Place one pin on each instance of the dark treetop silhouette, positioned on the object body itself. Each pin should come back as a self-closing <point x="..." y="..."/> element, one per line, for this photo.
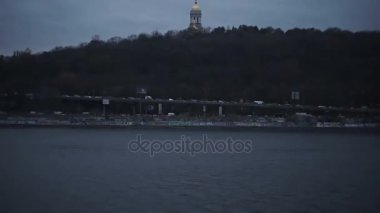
<point x="331" y="67"/>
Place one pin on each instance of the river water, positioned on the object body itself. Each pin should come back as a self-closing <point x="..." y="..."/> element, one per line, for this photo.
<point x="93" y="170"/>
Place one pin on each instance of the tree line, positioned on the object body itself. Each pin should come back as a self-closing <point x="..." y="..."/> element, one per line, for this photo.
<point x="331" y="67"/>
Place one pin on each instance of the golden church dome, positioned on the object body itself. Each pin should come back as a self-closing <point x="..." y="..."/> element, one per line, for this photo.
<point x="196" y="6"/>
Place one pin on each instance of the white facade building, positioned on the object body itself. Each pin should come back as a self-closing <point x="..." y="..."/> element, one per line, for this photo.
<point x="195" y="17"/>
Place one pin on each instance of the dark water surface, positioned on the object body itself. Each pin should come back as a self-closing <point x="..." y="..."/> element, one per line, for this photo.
<point x="91" y="170"/>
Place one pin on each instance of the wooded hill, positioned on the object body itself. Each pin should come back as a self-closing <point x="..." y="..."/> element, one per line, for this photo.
<point x="332" y="67"/>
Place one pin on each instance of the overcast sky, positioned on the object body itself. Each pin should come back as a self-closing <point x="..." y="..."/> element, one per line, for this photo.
<point x="44" y="24"/>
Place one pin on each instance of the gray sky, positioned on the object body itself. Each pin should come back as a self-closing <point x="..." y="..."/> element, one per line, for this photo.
<point x="44" y="24"/>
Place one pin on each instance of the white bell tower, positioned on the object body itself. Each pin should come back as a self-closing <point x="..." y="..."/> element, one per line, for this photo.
<point x="195" y="17"/>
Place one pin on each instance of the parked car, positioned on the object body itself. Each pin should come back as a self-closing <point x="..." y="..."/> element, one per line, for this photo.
<point x="258" y="102"/>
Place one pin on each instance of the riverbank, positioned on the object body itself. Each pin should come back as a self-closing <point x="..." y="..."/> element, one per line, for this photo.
<point x="184" y="122"/>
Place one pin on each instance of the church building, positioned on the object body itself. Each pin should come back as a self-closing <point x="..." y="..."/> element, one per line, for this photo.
<point x="195" y="17"/>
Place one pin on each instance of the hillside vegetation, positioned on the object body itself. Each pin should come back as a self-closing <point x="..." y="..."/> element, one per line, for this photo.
<point x="331" y="67"/>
